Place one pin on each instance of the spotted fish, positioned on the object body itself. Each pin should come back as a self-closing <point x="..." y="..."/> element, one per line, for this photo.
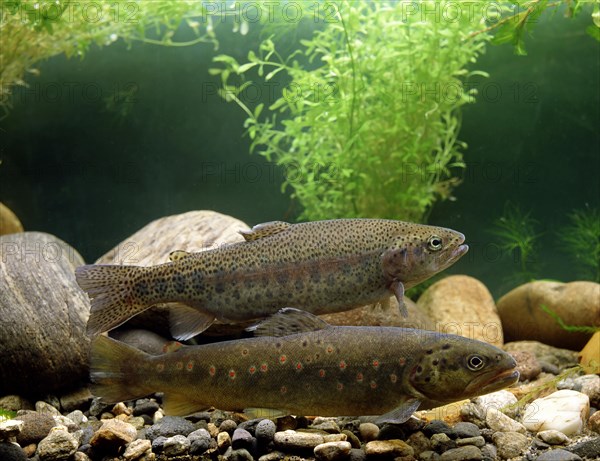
<point x="298" y="364"/>
<point x="320" y="267"/>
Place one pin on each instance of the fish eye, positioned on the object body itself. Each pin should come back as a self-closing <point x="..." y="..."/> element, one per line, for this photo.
<point x="475" y="362"/>
<point x="435" y="243"/>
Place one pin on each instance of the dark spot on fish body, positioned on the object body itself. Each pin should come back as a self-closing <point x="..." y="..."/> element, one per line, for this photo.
<point x="282" y="277"/>
<point x="141" y="288"/>
<point x="220" y="287"/>
<point x="179" y="283"/>
<point x="160" y="286"/>
<point x="331" y="280"/>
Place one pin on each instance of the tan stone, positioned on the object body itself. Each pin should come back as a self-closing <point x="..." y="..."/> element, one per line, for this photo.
<point x="462" y="305"/>
<point x="9" y="223"/>
<point x="576" y="303"/>
<point x="392" y="447"/>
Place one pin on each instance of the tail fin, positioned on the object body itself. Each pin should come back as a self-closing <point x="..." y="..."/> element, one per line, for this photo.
<point x="111" y="293"/>
<point x="115" y="371"/>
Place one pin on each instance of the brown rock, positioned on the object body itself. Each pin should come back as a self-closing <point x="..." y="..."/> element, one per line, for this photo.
<point x="392" y="448"/>
<point x="9" y="223"/>
<point x="43" y="314"/>
<point x="36" y="426"/>
<point x="462" y="305"/>
<point x="380" y="315"/>
<point x="576" y="303"/>
<point x="113" y="434"/>
<point x="594" y="422"/>
<point x="559" y="358"/>
<point x="192" y="231"/>
<point x="527" y="365"/>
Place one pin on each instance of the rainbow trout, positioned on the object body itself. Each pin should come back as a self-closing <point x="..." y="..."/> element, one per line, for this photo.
<point x="321" y="267"/>
<point x="299" y="364"/>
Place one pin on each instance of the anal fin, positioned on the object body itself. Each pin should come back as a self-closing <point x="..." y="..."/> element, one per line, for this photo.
<point x="186" y="321"/>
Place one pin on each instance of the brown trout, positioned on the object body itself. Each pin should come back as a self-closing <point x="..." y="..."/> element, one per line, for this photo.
<point x="298" y="364"/>
<point x="320" y="267"/>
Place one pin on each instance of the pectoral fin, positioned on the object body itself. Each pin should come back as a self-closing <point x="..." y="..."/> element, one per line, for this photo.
<point x="186" y="322"/>
<point x="265" y="230"/>
<point x="398" y="288"/>
<point x="400" y="414"/>
<point x="181" y="404"/>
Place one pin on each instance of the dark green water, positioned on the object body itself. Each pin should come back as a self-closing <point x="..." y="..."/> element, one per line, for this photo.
<point x="96" y="148"/>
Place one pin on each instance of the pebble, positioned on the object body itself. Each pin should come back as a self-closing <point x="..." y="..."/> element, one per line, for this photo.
<point x="9" y="429"/>
<point x="368" y="431"/>
<point x="586" y="384"/>
<point x="265" y="430"/>
<point x="145" y="407"/>
<point x="36" y="426"/>
<point x="15" y="403"/>
<point x="352" y="438"/>
<point x="228" y="425"/>
<point x="200" y="441"/>
<point x="169" y="426"/>
<point x="439" y="427"/>
<point x="500" y="400"/>
<point x="58" y="445"/>
<point x="136" y="449"/>
<point x="332" y="451"/>
<point x="327" y="426"/>
<point x="77" y="417"/>
<point x="11" y="452"/>
<point x="441" y="442"/>
<point x="509" y="444"/>
<point x="223" y="441"/>
<point x="489" y="452"/>
<point x="468" y="452"/>
<point x="478" y="441"/>
<point x="528" y="365"/>
<point x="45" y="408"/>
<point x="241" y="438"/>
<point x="334" y="438"/>
<point x="76" y="400"/>
<point x="176" y="445"/>
<point x="589" y="448"/>
<point x="553" y="437"/>
<point x="499" y="422"/>
<point x="466" y="429"/>
<point x="113" y="434"/>
<point x="594" y="422"/>
<point x="393" y="448"/>
<point x="297" y="440"/>
<point x="565" y="411"/>
<point x="558" y="455"/>
<point x="238" y="455"/>
<point x="419" y="442"/>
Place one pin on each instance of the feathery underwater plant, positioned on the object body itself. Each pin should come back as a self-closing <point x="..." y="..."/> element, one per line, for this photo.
<point x="581" y="240"/>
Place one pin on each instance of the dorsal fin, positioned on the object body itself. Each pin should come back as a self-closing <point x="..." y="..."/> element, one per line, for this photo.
<point x="288" y="321"/>
<point x="265" y="230"/>
<point x="178" y="255"/>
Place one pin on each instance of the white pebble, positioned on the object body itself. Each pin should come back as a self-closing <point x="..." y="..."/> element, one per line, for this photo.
<point x="565" y="411"/>
<point x="498" y="400"/>
<point x="298" y="440"/>
<point x="499" y="422"/>
<point x="553" y="437"/>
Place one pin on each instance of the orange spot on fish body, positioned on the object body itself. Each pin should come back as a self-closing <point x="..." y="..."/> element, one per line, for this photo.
<point x="244" y="351"/>
<point x="264" y="367"/>
<point x="298" y="366"/>
<point x="190" y="366"/>
<point x="329" y="349"/>
<point x="160" y="367"/>
<point x="375" y="363"/>
<point x="282" y="359"/>
<point x="402" y="361"/>
<point x="179" y="365"/>
<point x="232" y="374"/>
<point x="283" y="389"/>
<point x="212" y="370"/>
<point x="373" y="385"/>
<point x="340" y="386"/>
<point x="393" y="378"/>
<point x="252" y="370"/>
<point x="359" y="377"/>
<point x="343" y="365"/>
<point x="321" y="373"/>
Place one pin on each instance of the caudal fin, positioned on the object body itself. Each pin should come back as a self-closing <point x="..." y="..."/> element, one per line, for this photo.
<point x="115" y="371"/>
<point x="112" y="295"/>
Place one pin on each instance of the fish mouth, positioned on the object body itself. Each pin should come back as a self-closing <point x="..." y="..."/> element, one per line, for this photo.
<point x="492" y="381"/>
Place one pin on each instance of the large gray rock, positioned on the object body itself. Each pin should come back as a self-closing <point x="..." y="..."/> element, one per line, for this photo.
<point x="576" y="303"/>
<point x="43" y="313"/>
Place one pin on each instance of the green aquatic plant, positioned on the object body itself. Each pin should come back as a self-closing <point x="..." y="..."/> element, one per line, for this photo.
<point x="368" y="122"/>
<point x="517" y="236"/>
<point x="6" y="414"/>
<point x="581" y="240"/>
<point x="32" y="31"/>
